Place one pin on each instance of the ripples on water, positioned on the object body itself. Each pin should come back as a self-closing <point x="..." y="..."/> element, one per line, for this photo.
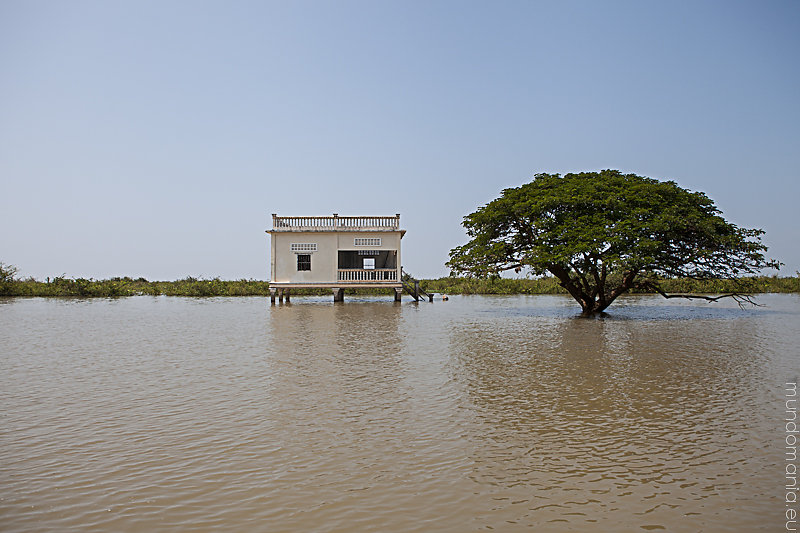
<point x="479" y="413"/>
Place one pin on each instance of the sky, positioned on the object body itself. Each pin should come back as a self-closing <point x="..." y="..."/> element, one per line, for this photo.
<point x="155" y="138"/>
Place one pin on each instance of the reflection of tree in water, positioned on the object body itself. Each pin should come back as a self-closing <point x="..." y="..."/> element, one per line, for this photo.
<point x="596" y="415"/>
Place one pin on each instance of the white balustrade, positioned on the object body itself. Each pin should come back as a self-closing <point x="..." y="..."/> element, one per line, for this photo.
<point x="336" y="222"/>
<point x="357" y="274"/>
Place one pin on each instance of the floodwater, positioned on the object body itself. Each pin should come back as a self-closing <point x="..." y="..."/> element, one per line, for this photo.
<point x="480" y="413"/>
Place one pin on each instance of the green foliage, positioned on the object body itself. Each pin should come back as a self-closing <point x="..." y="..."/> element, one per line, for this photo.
<point x="492" y="285"/>
<point x="604" y="233"/>
<point x="7" y="272"/>
<point x="7" y="278"/>
<point x="551" y="285"/>
<point x="118" y="287"/>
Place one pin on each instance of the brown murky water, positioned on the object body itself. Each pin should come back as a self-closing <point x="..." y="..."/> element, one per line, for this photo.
<point x="503" y="413"/>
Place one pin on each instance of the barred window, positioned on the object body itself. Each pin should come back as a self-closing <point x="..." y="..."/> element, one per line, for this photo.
<point x="367" y="242"/>
<point x="303" y="247"/>
<point x="303" y="262"/>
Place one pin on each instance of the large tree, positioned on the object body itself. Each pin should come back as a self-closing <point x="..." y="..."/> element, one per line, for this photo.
<point x="605" y="233"/>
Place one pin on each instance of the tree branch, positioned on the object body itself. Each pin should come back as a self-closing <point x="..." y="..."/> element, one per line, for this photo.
<point x="738" y="297"/>
<point x="566" y="282"/>
<point x="627" y="284"/>
<point x="510" y="267"/>
<point x="599" y="285"/>
<point x="582" y="281"/>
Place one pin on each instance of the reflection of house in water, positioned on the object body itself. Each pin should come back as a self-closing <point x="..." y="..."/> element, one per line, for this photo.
<point x="335" y="252"/>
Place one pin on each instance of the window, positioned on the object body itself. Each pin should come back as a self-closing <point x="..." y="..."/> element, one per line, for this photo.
<point x="366" y="242"/>
<point x="369" y="263"/>
<point x="303" y="247"/>
<point x="303" y="262"/>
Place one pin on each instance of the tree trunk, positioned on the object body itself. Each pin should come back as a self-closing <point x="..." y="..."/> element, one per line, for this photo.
<point x="588" y="309"/>
<point x="597" y="300"/>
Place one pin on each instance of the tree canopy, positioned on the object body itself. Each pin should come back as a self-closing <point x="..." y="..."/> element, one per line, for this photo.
<point x="605" y="233"/>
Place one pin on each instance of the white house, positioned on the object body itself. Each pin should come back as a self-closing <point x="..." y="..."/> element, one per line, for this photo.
<point x="334" y="252"/>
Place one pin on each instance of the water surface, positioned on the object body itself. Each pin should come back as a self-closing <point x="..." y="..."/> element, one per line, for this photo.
<point x="480" y="413"/>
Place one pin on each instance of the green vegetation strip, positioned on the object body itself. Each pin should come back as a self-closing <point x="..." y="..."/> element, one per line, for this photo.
<point x="550" y="285"/>
<point x="115" y="287"/>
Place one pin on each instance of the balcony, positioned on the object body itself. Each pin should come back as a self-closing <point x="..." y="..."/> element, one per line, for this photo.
<point x="335" y="223"/>
<point x="359" y="275"/>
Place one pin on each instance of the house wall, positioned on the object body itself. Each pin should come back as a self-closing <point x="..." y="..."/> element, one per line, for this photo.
<point x="324" y="261"/>
<point x="389" y="240"/>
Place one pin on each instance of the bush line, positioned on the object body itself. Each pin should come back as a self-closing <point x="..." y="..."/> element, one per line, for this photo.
<point x="117" y="287"/>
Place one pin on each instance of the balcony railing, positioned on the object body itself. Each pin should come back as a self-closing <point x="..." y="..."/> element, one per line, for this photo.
<point x="337" y="222"/>
<point x="358" y="274"/>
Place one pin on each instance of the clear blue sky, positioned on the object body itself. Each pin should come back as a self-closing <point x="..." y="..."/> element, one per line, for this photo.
<point x="151" y="138"/>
